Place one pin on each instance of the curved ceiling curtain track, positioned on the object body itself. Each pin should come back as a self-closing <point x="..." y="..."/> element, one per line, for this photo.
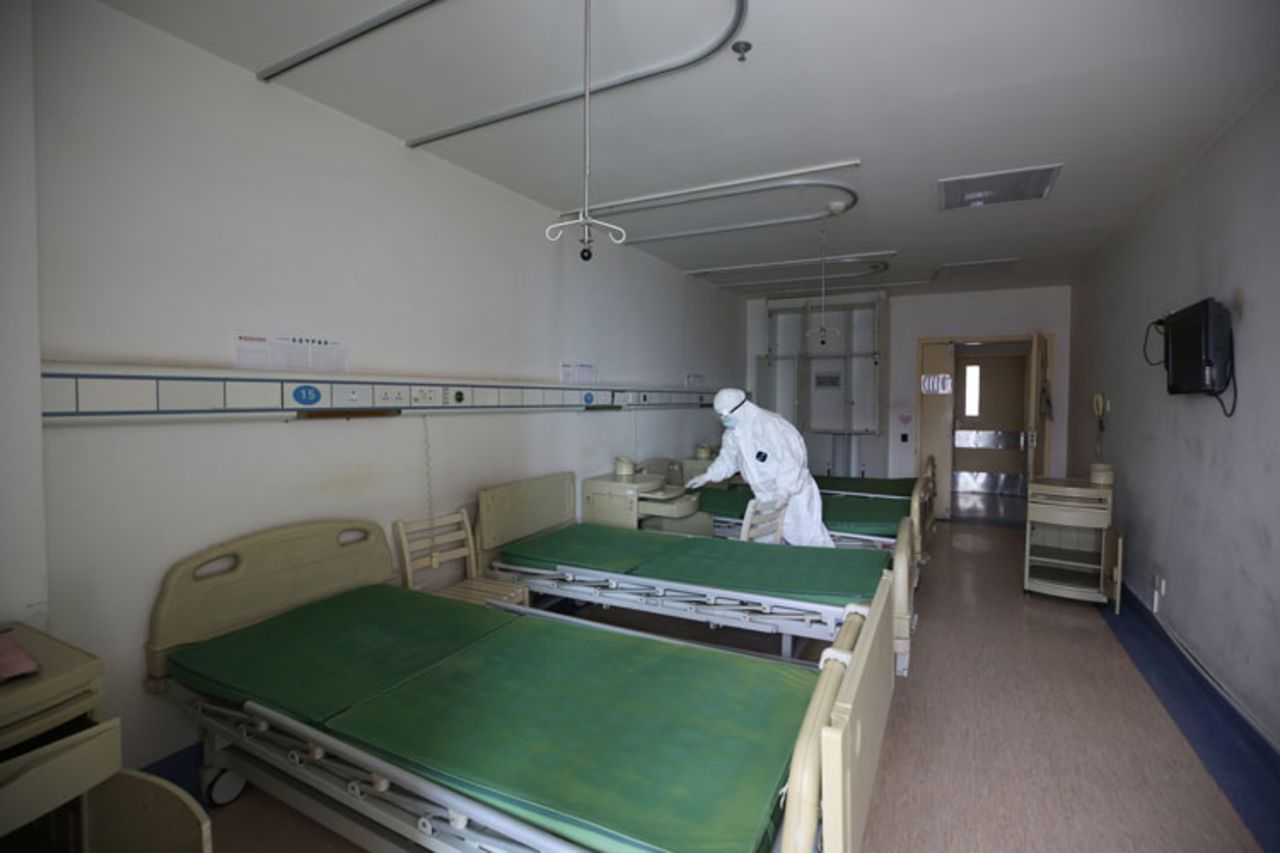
<point x="402" y="10"/>
<point x="684" y="196"/>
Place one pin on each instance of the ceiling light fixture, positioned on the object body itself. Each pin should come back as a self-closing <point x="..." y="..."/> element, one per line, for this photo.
<point x="584" y="218"/>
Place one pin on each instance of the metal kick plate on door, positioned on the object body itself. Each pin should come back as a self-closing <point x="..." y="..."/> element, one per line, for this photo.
<point x="989" y="439"/>
<point x="988" y="483"/>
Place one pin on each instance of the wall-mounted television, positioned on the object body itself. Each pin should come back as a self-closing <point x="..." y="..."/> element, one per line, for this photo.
<point x="1197" y="349"/>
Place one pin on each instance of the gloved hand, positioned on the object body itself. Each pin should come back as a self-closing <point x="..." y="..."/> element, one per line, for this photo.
<point x="698" y="482"/>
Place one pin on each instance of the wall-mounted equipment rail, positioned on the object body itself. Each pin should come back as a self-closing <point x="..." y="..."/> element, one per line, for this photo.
<point x="99" y="393"/>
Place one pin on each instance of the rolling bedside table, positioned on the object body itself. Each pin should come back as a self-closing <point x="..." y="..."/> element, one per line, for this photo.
<point x="1072" y="549"/>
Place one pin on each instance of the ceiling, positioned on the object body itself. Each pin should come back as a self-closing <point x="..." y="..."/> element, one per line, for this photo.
<point x="1125" y="93"/>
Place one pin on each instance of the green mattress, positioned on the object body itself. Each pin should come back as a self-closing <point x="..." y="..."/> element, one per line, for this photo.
<point x="900" y="487"/>
<point x="858" y="516"/>
<point x="590" y="546"/>
<point x="312" y="674"/>
<point x="613" y="741"/>
<point x="819" y="575"/>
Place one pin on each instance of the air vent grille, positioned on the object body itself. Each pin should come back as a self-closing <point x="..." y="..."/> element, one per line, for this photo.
<point x="989" y="266"/>
<point x="983" y="190"/>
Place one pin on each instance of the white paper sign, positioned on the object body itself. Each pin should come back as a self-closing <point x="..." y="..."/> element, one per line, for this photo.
<point x="306" y="353"/>
<point x="935" y="383"/>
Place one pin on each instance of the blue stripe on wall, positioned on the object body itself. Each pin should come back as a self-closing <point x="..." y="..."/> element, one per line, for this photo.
<point x="1244" y="764"/>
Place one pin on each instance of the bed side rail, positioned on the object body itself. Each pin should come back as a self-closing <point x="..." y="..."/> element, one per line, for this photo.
<point x="251" y="578"/>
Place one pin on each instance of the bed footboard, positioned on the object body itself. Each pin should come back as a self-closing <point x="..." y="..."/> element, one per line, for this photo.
<point x="904" y="568"/>
<point x="852" y="741"/>
<point x="837" y="751"/>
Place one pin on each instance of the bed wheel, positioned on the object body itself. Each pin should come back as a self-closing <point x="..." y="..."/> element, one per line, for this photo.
<point x="224" y="788"/>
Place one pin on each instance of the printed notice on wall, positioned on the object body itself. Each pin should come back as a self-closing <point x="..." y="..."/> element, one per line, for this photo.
<point x="295" y="353"/>
<point x="577" y="373"/>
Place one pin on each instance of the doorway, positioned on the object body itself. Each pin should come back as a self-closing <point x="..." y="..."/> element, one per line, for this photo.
<point x="984" y="409"/>
<point x="989" y="460"/>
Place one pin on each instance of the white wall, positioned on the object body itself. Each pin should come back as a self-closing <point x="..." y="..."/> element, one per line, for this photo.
<point x="23" y="587"/>
<point x="978" y="314"/>
<point x="1196" y="493"/>
<point x="181" y="199"/>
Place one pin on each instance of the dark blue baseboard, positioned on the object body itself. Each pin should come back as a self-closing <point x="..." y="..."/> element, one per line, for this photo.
<point x="1245" y="765"/>
<point x="182" y="768"/>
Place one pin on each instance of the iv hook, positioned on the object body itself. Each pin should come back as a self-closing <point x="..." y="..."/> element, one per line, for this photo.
<point x="584" y="218"/>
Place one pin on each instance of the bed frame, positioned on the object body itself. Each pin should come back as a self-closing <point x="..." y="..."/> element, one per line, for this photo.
<point x="382" y="807"/>
<point x="923" y="497"/>
<point x="724" y="527"/>
<point x="518" y="510"/>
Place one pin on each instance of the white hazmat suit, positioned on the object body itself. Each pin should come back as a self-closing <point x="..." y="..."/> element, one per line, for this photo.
<point x="771" y="455"/>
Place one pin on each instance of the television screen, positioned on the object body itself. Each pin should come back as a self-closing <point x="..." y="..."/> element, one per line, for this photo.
<point x="1197" y="349"/>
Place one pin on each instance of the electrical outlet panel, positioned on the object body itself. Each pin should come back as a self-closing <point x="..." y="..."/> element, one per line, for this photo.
<point x="390" y="395"/>
<point x="456" y="396"/>
<point x="426" y="395"/>
<point x="352" y="396"/>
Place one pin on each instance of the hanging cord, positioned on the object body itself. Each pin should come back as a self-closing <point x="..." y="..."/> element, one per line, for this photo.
<point x="1235" y="393"/>
<point x="426" y="465"/>
<point x="1158" y="325"/>
<point x="822" y="330"/>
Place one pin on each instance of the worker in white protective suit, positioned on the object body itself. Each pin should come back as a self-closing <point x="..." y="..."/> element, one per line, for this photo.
<point x="771" y="455"/>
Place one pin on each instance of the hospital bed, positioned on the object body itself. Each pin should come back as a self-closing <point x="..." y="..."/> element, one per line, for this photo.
<point x="404" y="720"/>
<point x="527" y="531"/>
<point x="895" y="488"/>
<point x="920" y="491"/>
<point x="858" y="511"/>
<point x="852" y="522"/>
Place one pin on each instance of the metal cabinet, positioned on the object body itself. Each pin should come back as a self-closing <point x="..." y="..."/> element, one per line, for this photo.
<point x="1072" y="550"/>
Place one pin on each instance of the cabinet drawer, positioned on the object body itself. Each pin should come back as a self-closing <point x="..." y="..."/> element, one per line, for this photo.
<point x="1069" y="516"/>
<point x="44" y="778"/>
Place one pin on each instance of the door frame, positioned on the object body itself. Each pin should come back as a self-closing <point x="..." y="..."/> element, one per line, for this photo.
<point x="1046" y="440"/>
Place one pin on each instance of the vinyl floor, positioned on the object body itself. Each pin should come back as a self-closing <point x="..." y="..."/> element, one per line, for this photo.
<point x="1023" y="726"/>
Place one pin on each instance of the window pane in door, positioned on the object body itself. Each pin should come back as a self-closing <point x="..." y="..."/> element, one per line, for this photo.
<point x="972" y="389"/>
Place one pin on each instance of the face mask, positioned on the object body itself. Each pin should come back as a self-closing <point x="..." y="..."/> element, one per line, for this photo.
<point x="729" y="421"/>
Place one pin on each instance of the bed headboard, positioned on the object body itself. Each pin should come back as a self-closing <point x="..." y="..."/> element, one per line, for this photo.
<point x="250" y="578"/>
<point x="516" y="510"/>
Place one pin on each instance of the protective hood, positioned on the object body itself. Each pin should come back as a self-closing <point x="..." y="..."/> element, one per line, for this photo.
<point x="732" y="404"/>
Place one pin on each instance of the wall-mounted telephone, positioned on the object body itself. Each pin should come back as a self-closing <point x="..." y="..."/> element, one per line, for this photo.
<point x="1101" y="405"/>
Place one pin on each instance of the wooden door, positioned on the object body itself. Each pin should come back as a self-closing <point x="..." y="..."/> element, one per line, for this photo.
<point x="990" y="397"/>
<point x="935" y="387"/>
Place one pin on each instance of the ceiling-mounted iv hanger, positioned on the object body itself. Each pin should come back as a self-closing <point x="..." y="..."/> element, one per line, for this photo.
<point x="584" y="218"/>
<point x="822" y="331"/>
